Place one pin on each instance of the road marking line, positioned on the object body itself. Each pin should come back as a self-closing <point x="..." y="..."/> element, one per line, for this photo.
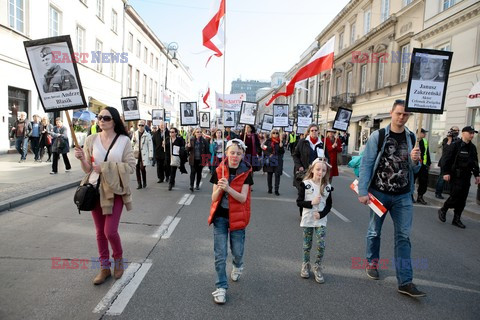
<point x="341" y="216"/>
<point x="274" y="199"/>
<point x="200" y="185"/>
<point x="171" y="227"/>
<point x="434" y="284"/>
<point x="117" y="287"/>
<point x="127" y="293"/>
<point x="189" y="200"/>
<point x="163" y="228"/>
<point x="184" y="198"/>
<point x="286" y="174"/>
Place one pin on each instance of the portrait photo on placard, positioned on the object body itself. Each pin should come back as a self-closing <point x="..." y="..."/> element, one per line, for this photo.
<point x="304" y="115"/>
<point x="267" y="122"/>
<point x="280" y="115"/>
<point x="130" y="108"/>
<point x="229" y="118"/>
<point x="428" y="79"/>
<point x="158" y="115"/>
<point x="55" y="74"/>
<point x="204" y="119"/>
<point x="188" y="114"/>
<point x="290" y="125"/>
<point x="342" y="119"/>
<point x="248" y="113"/>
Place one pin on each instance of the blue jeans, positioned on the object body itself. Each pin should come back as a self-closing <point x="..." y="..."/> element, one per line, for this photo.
<point x="220" y="247"/>
<point x="21" y="144"/>
<point x="400" y="208"/>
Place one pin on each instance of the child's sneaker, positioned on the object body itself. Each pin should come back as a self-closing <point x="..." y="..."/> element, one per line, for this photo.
<point x="220" y="295"/>
<point x="317" y="272"/>
<point x="236" y="273"/>
<point x="305" y="272"/>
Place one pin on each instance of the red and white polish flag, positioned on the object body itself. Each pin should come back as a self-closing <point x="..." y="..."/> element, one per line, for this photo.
<point x="374" y="204"/>
<point x="321" y="61"/>
<point x="213" y="33"/>
<point x="205" y="98"/>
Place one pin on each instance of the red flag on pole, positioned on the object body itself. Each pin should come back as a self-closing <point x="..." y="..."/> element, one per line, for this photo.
<point x="205" y="98"/>
<point x="321" y="61"/>
<point x="212" y="28"/>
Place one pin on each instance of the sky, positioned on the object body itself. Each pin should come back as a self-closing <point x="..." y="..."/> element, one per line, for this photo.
<point x="263" y="36"/>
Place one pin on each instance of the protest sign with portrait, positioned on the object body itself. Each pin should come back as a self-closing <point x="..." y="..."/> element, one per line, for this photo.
<point x="280" y="115"/>
<point x="342" y="119"/>
<point x="304" y="115"/>
<point x="130" y="108"/>
<point x="248" y="113"/>
<point x="188" y="114"/>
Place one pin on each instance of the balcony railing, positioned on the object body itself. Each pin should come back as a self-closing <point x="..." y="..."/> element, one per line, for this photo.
<point x="345" y="100"/>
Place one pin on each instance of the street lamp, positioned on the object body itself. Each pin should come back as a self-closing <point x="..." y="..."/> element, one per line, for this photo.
<point x="172" y="46"/>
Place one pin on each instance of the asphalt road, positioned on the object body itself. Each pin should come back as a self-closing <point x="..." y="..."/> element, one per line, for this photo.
<point x="171" y="273"/>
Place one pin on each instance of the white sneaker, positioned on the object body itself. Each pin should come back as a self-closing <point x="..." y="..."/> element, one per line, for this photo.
<point x="236" y="273"/>
<point x="305" y="272"/>
<point x="53" y="172"/>
<point x="317" y="272"/>
<point x="220" y="295"/>
<point x="68" y="170"/>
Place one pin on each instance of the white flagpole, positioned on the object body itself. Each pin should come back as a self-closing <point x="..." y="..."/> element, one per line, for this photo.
<point x="223" y="93"/>
<point x="326" y="125"/>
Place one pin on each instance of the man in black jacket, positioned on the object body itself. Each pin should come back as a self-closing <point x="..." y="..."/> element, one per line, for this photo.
<point x="422" y="175"/>
<point x="460" y="162"/>
<point x="158" y="138"/>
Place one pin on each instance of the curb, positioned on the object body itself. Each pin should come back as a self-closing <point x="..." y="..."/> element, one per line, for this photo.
<point x="24" y="199"/>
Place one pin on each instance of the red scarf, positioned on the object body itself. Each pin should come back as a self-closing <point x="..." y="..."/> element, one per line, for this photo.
<point x="274" y="141"/>
<point x="314" y="140"/>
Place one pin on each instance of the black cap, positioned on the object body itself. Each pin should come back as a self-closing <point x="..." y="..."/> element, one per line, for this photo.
<point x="45" y="51"/>
<point x="469" y="129"/>
<point x="424" y="131"/>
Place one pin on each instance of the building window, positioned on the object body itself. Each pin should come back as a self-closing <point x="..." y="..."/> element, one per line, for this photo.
<point x="385" y="10"/>
<point x="80" y="32"/>
<point x="130" y="42"/>
<point x="129" y="80"/>
<point x="448" y="3"/>
<point x="444" y="47"/>
<point x="338" y="86"/>
<point x="113" y="70"/>
<point x="114" y="21"/>
<point x="349" y="82"/>
<point x="327" y="93"/>
<point x="145" y="55"/>
<point x="16" y="15"/>
<point x="137" y="83"/>
<point x="352" y="33"/>
<point x="17" y="102"/>
<point x="139" y="48"/>
<point x="150" y="87"/>
<point x="406" y="2"/>
<point x="156" y="64"/>
<point x="155" y="94"/>
<point x="363" y="79"/>
<point x="151" y="60"/>
<point x="144" y="88"/>
<point x="405" y="62"/>
<point x="367" y="15"/>
<point x="100" y="7"/>
<point x="380" y="71"/>
<point x="84" y="2"/>
<point x="54" y="24"/>
<point x="340" y="41"/>
<point x="99" y="48"/>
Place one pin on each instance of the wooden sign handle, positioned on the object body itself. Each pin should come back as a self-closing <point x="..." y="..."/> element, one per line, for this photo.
<point x="75" y="141"/>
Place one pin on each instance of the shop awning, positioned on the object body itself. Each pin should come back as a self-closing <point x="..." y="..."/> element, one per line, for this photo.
<point x="357" y="118"/>
<point x="473" y="98"/>
<point x="382" y="116"/>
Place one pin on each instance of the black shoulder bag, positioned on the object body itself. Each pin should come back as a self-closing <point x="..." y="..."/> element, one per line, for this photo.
<point x="87" y="195"/>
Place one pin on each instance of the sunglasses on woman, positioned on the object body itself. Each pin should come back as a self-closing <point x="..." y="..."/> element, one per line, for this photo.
<point x="104" y="118"/>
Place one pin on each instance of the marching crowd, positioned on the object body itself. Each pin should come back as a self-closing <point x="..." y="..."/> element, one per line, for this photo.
<point x="387" y="169"/>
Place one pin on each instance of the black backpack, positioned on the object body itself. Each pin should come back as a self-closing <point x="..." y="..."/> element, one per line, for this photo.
<point x="381" y="139"/>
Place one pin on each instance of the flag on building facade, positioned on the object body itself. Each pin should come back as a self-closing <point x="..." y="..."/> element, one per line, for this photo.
<point x="321" y="61"/>
<point x="213" y="31"/>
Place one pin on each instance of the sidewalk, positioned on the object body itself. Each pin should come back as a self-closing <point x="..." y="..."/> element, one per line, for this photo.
<point x="21" y="183"/>
<point x="472" y="209"/>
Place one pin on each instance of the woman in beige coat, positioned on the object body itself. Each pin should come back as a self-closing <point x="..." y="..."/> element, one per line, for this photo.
<point x="113" y="175"/>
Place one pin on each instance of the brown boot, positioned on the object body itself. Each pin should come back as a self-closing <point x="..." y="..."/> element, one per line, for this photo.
<point x="118" y="268"/>
<point x="102" y="276"/>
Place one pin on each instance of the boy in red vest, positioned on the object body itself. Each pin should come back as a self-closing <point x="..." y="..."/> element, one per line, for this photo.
<point x="230" y="213"/>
